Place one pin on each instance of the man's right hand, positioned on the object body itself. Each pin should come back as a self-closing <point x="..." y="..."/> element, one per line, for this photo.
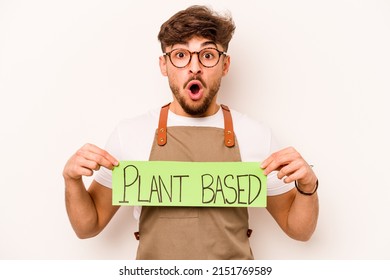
<point x="86" y="160"/>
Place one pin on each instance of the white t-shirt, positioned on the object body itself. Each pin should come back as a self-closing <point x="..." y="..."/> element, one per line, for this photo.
<point x="132" y="140"/>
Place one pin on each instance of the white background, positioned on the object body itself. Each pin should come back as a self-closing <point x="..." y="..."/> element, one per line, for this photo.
<point x="316" y="72"/>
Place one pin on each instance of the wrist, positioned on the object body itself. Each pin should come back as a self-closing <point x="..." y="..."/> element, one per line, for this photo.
<point x="70" y="180"/>
<point x="301" y="191"/>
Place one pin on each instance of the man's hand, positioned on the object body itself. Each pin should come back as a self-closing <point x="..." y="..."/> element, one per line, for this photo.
<point x="292" y="167"/>
<point x="86" y="160"/>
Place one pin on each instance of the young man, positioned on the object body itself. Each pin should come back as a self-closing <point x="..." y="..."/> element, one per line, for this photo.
<point x="194" y="43"/>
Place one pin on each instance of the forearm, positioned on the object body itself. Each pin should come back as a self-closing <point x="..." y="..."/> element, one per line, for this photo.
<point x="302" y="217"/>
<point x="81" y="209"/>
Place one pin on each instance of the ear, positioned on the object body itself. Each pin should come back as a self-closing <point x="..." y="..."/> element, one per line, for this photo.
<point x="163" y="65"/>
<point x="226" y="65"/>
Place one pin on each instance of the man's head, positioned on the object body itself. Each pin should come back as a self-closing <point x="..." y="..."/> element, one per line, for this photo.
<point x="195" y="77"/>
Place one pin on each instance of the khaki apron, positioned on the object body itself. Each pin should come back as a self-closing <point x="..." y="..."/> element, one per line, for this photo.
<point x="194" y="232"/>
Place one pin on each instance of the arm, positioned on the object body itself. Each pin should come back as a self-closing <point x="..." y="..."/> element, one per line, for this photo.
<point x="89" y="210"/>
<point x="295" y="213"/>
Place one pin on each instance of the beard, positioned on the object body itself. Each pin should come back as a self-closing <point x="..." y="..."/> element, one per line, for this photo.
<point x="200" y="107"/>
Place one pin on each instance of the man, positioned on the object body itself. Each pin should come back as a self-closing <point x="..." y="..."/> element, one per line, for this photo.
<point x="191" y="128"/>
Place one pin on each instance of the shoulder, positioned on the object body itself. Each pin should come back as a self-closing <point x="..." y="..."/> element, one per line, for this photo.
<point x="132" y="138"/>
<point x="248" y="126"/>
<point x="254" y="138"/>
<point x="136" y="123"/>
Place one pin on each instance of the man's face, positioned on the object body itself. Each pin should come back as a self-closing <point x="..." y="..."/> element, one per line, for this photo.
<point x="194" y="86"/>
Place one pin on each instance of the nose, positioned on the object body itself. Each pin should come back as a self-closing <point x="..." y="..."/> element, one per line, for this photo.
<point x="195" y="67"/>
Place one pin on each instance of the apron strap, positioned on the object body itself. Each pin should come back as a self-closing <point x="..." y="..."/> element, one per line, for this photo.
<point x="229" y="132"/>
<point x="162" y="126"/>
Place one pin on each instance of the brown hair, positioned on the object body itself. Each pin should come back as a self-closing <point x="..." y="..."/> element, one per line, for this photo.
<point x="196" y="21"/>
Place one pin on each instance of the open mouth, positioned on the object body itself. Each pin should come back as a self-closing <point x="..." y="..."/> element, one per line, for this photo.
<point x="194" y="89"/>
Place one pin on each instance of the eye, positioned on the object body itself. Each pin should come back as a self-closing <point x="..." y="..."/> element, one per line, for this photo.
<point x="180" y="54"/>
<point x="208" y="55"/>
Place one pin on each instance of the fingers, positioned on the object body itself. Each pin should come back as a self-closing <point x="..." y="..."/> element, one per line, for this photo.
<point x="290" y="166"/>
<point x="86" y="160"/>
<point x="96" y="157"/>
<point x="278" y="160"/>
<point x="289" y="171"/>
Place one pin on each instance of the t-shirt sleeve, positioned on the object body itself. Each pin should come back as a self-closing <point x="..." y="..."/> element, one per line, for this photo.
<point x="275" y="185"/>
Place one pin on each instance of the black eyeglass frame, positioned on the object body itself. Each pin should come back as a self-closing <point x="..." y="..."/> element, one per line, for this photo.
<point x="197" y="53"/>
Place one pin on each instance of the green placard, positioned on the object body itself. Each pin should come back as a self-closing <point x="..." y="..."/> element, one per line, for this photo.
<point x="171" y="183"/>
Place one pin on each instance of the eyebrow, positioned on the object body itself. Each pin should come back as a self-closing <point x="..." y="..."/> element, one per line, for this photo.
<point x="202" y="45"/>
<point x="209" y="43"/>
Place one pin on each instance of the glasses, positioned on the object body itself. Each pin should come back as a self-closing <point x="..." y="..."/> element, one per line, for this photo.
<point x="208" y="57"/>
